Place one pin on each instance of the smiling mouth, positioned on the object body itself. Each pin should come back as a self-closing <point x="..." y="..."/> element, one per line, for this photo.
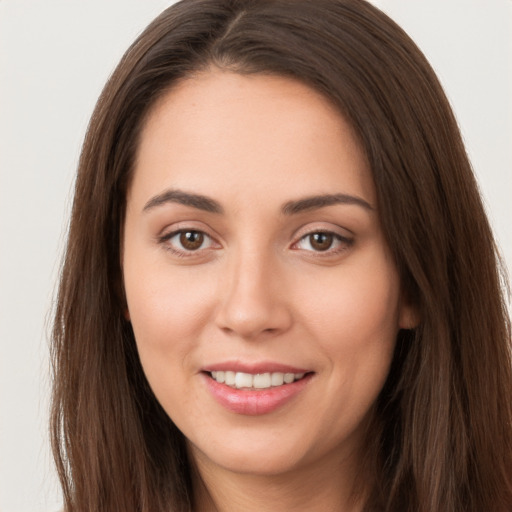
<point x="241" y="380"/>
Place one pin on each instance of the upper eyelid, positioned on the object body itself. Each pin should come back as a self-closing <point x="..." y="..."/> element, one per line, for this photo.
<point x="165" y="241"/>
<point x="180" y="226"/>
<point x="298" y="234"/>
<point x="310" y="228"/>
<point x="341" y="238"/>
<point x="166" y="236"/>
<point x="343" y="235"/>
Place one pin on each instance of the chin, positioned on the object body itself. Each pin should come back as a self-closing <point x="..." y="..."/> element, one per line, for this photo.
<point x="255" y="455"/>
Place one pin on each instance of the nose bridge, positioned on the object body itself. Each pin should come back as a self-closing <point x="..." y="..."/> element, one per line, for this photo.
<point x="251" y="300"/>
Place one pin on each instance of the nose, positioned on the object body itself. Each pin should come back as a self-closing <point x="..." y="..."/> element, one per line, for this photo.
<point x="253" y="299"/>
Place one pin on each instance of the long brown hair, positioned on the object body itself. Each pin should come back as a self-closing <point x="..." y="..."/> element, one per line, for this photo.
<point x="441" y="438"/>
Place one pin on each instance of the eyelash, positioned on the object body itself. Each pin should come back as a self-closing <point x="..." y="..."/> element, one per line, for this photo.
<point x="166" y="240"/>
<point x="343" y="243"/>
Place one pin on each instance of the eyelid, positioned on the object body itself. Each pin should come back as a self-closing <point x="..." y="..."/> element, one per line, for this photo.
<point x="322" y="227"/>
<point x="347" y="240"/>
<point x="182" y="227"/>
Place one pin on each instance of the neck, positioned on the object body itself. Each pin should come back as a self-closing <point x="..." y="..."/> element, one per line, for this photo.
<point x="327" y="488"/>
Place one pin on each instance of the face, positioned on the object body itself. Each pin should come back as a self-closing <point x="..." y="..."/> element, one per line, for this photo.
<point x="264" y="300"/>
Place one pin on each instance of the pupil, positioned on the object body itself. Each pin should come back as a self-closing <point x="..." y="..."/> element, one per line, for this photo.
<point x="191" y="240"/>
<point x="321" y="241"/>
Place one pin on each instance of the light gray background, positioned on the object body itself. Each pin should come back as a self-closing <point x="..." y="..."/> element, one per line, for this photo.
<point x="55" y="56"/>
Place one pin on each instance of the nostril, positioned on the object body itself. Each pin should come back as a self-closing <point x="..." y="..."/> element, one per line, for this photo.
<point x="250" y="312"/>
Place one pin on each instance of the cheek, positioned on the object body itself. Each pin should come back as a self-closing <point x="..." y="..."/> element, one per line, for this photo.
<point x="359" y="305"/>
<point x="168" y="312"/>
<point x="354" y="318"/>
<point x="167" y="308"/>
<point x="355" y="324"/>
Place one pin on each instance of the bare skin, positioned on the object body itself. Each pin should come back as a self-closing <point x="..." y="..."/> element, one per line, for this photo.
<point x="252" y="240"/>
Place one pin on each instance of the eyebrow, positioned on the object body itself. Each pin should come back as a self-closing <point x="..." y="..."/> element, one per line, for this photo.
<point x="290" y="208"/>
<point x="178" y="196"/>
<point x="322" y="201"/>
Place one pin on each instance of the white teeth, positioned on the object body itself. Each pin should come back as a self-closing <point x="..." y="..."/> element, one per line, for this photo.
<point x="261" y="381"/>
<point x="229" y="378"/>
<point x="289" y="378"/>
<point x="219" y="376"/>
<point x="243" y="380"/>
<point x="257" y="381"/>
<point x="277" y="379"/>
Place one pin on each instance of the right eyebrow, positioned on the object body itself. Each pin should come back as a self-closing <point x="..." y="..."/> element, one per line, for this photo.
<point x="186" y="198"/>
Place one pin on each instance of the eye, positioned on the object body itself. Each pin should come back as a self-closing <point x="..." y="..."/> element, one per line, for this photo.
<point x="319" y="241"/>
<point x="187" y="240"/>
<point x="323" y="241"/>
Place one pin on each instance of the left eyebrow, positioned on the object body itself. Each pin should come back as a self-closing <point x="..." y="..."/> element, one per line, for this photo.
<point x="321" y="201"/>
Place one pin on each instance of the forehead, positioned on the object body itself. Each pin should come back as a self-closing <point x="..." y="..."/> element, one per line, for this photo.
<point x="251" y="134"/>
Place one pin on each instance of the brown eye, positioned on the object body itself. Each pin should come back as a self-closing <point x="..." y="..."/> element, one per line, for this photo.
<point x="327" y="242"/>
<point x="188" y="242"/>
<point x="321" y="241"/>
<point x="191" y="240"/>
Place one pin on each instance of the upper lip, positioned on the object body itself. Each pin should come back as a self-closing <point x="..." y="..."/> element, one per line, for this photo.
<point x="254" y="367"/>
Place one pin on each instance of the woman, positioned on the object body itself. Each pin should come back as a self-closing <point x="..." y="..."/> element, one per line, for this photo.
<point x="281" y="291"/>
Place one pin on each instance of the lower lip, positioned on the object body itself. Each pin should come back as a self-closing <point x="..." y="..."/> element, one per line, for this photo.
<point x="255" y="402"/>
